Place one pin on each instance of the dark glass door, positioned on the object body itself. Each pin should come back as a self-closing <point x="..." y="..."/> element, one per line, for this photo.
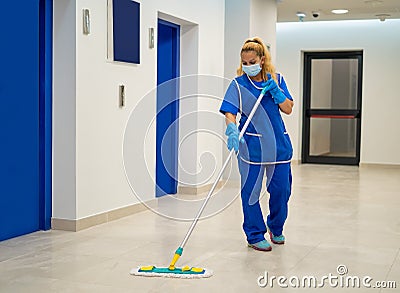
<point x="332" y="107"/>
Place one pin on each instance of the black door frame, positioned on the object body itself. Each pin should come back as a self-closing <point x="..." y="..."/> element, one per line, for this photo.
<point x="337" y="113"/>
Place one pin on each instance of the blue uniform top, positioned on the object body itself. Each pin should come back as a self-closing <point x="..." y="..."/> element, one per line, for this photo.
<point x="267" y="141"/>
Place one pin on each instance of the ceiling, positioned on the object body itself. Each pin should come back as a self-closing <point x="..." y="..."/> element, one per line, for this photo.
<point x="358" y="9"/>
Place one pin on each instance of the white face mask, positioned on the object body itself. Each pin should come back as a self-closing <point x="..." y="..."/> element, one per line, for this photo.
<point x="252" y="70"/>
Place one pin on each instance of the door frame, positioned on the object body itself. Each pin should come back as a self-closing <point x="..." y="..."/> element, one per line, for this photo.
<point x="176" y="68"/>
<point x="336" y="113"/>
<point x="45" y="112"/>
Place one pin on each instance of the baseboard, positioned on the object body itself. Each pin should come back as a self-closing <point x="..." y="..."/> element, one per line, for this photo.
<point x="84" y="223"/>
<point x="198" y="189"/>
<point x="63" y="224"/>
<point x="379" y="165"/>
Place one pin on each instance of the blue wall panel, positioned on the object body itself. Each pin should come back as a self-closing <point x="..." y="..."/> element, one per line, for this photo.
<point x="19" y="118"/>
<point x="126" y="31"/>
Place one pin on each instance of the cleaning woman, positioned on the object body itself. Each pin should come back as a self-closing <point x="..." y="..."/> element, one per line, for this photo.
<point x="265" y="147"/>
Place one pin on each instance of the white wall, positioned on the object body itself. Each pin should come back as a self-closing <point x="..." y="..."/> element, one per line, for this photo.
<point x="100" y="122"/>
<point x="64" y="109"/>
<point x="188" y="104"/>
<point x="380" y="42"/>
<point x="211" y="61"/>
<point x="237" y="29"/>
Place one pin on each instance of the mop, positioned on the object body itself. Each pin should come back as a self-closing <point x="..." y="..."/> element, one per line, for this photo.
<point x="186" y="271"/>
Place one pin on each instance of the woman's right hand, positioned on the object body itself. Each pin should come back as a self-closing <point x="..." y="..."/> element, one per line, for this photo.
<point x="232" y="132"/>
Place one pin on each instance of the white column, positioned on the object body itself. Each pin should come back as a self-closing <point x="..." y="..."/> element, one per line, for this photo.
<point x="263" y="17"/>
<point x="237" y="29"/>
<point x="64" y="110"/>
<point x="244" y="19"/>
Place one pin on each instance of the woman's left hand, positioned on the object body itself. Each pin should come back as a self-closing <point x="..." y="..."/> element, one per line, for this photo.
<point x="275" y="91"/>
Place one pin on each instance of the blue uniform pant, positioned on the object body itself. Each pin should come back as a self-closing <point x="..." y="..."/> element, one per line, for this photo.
<point x="279" y="185"/>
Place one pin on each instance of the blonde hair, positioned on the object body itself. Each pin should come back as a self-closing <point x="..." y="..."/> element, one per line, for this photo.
<point x="257" y="45"/>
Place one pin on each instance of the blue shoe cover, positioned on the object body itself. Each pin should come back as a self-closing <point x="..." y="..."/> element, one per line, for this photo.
<point x="262" y="245"/>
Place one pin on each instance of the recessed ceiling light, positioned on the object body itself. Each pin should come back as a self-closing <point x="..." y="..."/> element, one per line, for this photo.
<point x="339" y="11"/>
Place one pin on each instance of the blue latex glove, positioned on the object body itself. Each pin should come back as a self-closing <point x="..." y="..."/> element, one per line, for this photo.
<point x="275" y="91"/>
<point x="233" y="136"/>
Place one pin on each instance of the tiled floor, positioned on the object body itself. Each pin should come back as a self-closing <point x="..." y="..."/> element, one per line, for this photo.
<point x="338" y="215"/>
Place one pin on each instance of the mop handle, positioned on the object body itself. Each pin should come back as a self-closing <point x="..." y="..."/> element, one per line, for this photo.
<point x="246" y="124"/>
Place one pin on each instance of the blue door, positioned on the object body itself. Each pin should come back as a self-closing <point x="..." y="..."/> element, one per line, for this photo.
<point x="167" y="108"/>
<point x="22" y="204"/>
